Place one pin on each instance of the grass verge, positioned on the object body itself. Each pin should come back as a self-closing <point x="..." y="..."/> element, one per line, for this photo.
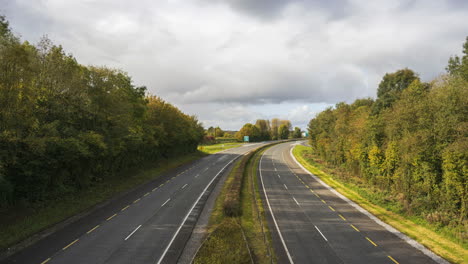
<point x="210" y="149"/>
<point x="244" y="238"/>
<point x="414" y="228"/>
<point x="18" y="224"/>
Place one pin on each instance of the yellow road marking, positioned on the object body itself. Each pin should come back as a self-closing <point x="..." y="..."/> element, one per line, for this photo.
<point x="342" y="217"/>
<point x="161" y="185"/>
<point x="317" y="195"/>
<point x="112" y="216"/>
<point x="323" y="201"/>
<point x="125" y="208"/>
<point x="175" y="176"/>
<point x="45" y="261"/>
<point x="137" y="200"/>
<point x="355" y="228"/>
<point x="69" y="245"/>
<point x="372" y="242"/>
<point x="167" y="181"/>
<point x="331" y="208"/>
<point x="390" y="257"/>
<point x="312" y="191"/>
<point x="146" y="194"/>
<point x="154" y="189"/>
<point x="307" y="186"/>
<point x="92" y="229"/>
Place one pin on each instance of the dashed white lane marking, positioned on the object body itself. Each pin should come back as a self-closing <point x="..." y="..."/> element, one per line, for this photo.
<point x="295" y="200"/>
<point x="132" y="232"/>
<point x="285" y="186"/>
<point x="196" y="176"/>
<point x="321" y="233"/>
<point x="389" y="228"/>
<point x="279" y="176"/>
<point x="271" y="212"/>
<point x="166" y="202"/>
<point x="185" y="185"/>
<point x="190" y="211"/>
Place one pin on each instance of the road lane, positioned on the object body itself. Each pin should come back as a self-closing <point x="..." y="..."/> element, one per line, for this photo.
<point x="320" y="227"/>
<point x="137" y="227"/>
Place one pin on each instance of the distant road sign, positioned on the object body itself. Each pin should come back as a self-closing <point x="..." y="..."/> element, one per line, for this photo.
<point x="246" y="138"/>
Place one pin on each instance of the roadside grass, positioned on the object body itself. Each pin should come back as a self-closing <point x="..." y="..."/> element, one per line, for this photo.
<point x="19" y="224"/>
<point x="231" y="239"/>
<point x="439" y="241"/>
<point x="224" y="245"/>
<point x="253" y="218"/>
<point x="210" y="149"/>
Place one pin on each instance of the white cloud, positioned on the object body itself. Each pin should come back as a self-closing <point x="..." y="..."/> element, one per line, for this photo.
<point x="239" y="57"/>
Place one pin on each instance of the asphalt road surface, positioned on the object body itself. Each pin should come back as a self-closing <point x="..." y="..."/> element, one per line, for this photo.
<point x="150" y="224"/>
<point x="311" y="224"/>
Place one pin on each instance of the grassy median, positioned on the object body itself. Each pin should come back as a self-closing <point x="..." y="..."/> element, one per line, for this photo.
<point x="210" y="149"/>
<point x="20" y="223"/>
<point x="238" y="234"/>
<point x="439" y="242"/>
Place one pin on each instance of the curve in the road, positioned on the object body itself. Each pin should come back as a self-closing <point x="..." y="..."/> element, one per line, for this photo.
<point x="315" y="225"/>
<point x="143" y="226"/>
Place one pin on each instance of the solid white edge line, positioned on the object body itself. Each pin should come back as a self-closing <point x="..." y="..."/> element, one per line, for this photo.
<point x="295" y="200"/>
<point x="321" y="233"/>
<point x="271" y="212"/>
<point x="165" y="202"/>
<point x="388" y="227"/>
<point x="185" y="185"/>
<point x="190" y="211"/>
<point x="133" y="232"/>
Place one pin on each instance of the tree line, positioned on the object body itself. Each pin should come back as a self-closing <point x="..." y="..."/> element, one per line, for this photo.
<point x="410" y="142"/>
<point x="65" y="126"/>
<point x="266" y="130"/>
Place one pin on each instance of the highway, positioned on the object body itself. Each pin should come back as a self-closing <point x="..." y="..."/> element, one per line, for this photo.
<point x="312" y="224"/>
<point x="150" y="224"/>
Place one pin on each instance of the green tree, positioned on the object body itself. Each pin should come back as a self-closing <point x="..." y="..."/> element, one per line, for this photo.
<point x="392" y="85"/>
<point x="459" y="66"/>
<point x="264" y="128"/>
<point x="297" y="133"/>
<point x="283" y="131"/>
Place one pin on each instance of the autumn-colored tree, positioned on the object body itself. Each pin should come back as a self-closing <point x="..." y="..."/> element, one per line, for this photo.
<point x="410" y="143"/>
<point x="65" y="126"/>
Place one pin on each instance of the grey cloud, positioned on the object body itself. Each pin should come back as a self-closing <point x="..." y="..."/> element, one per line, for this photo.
<point x="272" y="9"/>
<point x="219" y="59"/>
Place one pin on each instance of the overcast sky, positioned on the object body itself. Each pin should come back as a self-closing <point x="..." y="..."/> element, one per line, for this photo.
<point x="234" y="61"/>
